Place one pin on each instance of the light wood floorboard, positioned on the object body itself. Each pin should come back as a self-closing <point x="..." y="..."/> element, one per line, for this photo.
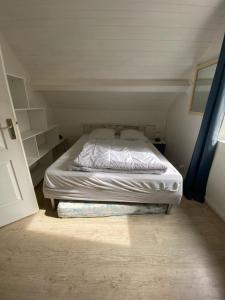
<point x="171" y="257"/>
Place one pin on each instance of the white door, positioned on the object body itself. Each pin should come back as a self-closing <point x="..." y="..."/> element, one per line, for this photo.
<point x="17" y="197"/>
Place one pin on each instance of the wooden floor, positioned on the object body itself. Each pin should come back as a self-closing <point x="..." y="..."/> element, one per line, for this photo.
<point x="170" y="257"/>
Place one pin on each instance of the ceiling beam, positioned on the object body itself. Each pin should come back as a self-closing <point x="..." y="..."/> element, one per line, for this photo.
<point x="113" y="85"/>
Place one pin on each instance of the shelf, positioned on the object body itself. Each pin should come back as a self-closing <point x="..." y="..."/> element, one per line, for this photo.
<point x="45" y="148"/>
<point x="31" y="150"/>
<point x="47" y="141"/>
<point x="34" y="132"/>
<point x="32" y="161"/>
<point x="40" y="143"/>
<point x="38" y="132"/>
<point x="30" y="108"/>
<point x="17" y="91"/>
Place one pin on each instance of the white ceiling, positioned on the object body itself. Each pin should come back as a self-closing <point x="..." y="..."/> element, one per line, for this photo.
<point x="103" y="39"/>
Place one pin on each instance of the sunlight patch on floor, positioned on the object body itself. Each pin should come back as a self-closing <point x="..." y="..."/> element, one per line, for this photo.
<point x="101" y="230"/>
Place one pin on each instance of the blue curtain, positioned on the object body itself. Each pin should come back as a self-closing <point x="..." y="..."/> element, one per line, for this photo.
<point x="197" y="176"/>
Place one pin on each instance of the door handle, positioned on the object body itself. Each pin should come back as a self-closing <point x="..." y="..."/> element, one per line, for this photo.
<point x="10" y="128"/>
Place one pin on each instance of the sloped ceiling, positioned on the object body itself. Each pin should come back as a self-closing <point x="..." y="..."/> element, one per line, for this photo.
<point x="120" y="39"/>
<point x="64" y="44"/>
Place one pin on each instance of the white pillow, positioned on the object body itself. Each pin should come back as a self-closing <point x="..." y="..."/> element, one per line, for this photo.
<point x="132" y="134"/>
<point x="102" y="133"/>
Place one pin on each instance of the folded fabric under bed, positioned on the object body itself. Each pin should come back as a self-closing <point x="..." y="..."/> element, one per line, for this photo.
<point x="60" y="183"/>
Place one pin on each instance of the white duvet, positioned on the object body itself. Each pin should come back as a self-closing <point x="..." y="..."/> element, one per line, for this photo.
<point x="118" y="155"/>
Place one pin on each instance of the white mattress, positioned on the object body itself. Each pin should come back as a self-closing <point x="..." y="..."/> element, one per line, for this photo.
<point x="60" y="183"/>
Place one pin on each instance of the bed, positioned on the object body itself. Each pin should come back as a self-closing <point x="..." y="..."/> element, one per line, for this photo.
<point x="62" y="184"/>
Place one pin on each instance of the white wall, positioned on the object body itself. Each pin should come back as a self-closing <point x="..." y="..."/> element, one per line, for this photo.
<point x="215" y="194"/>
<point x="74" y="108"/>
<point x="14" y="67"/>
<point x="181" y="133"/>
<point x="70" y="120"/>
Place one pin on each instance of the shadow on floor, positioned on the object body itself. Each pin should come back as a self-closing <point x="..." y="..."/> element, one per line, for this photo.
<point x="180" y="256"/>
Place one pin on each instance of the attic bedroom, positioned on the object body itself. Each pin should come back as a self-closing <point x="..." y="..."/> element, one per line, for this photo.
<point x="112" y="146"/>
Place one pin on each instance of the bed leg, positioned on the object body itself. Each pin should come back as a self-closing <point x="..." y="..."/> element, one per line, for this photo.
<point x="52" y="202"/>
<point x="169" y="208"/>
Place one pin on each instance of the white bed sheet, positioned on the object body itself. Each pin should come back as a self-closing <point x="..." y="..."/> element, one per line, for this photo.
<point x="60" y="183"/>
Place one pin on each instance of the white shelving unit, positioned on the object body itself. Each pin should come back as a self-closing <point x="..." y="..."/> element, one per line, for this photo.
<point x="39" y="136"/>
<point x="18" y="92"/>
